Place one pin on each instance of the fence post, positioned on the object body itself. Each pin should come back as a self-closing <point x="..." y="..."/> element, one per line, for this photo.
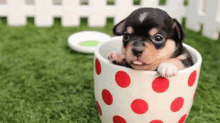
<point x="124" y="8"/>
<point x="192" y="15"/>
<point x="43" y="13"/>
<point x="210" y="24"/>
<point x="97" y="17"/>
<point x="176" y="9"/>
<point x="70" y="16"/>
<point x="16" y="13"/>
<point x="150" y="3"/>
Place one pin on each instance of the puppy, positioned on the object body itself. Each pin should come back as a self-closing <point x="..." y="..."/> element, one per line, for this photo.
<point x="152" y="40"/>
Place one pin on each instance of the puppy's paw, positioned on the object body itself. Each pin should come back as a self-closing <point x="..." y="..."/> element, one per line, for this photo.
<point x="116" y="58"/>
<point x="167" y="69"/>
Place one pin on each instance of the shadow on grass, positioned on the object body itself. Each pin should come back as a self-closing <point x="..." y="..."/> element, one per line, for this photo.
<point x="74" y="52"/>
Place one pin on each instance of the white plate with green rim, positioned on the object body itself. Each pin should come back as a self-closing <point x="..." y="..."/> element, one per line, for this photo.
<point x="86" y="41"/>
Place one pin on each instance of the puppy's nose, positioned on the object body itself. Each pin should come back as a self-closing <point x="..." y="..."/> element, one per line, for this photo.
<point x="137" y="51"/>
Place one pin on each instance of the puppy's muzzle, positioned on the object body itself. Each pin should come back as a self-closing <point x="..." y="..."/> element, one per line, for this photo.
<point x="136" y="51"/>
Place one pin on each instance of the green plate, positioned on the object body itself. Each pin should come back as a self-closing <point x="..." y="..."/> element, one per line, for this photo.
<point x="89" y="43"/>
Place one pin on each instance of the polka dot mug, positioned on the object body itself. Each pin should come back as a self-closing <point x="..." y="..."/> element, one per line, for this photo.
<point x="125" y="95"/>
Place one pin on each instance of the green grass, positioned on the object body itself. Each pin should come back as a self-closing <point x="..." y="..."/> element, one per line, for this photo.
<point x="43" y="81"/>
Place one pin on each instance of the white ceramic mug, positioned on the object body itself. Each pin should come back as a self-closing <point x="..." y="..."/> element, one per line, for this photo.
<point x="125" y="95"/>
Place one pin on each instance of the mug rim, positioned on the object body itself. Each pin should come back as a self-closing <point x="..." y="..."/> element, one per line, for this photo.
<point x="197" y="55"/>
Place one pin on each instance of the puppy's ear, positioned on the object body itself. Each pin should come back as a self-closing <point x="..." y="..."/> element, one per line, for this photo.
<point x="178" y="30"/>
<point x="118" y="28"/>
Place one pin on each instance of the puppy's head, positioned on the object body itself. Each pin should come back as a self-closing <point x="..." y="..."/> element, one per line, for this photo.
<point x="150" y="36"/>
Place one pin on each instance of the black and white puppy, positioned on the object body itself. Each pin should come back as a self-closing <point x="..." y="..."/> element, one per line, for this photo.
<point x="152" y="40"/>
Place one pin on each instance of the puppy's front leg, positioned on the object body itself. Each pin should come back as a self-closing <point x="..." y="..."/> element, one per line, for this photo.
<point x="117" y="58"/>
<point x="170" y="67"/>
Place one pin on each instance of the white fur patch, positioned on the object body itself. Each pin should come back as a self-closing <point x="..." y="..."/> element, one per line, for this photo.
<point x="167" y="69"/>
<point x="143" y="16"/>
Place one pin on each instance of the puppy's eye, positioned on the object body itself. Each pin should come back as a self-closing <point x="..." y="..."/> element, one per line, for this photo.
<point x="158" y="38"/>
<point x="126" y="38"/>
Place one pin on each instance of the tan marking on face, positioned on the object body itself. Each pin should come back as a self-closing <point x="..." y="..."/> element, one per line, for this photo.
<point x="147" y="57"/>
<point x="183" y="56"/>
<point x="154" y="57"/>
<point x="151" y="55"/>
<point x="128" y="53"/>
<point x="167" y="50"/>
<point x="153" y="31"/>
<point x="130" y="30"/>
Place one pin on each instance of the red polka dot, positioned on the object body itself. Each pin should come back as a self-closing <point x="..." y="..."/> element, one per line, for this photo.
<point x="156" y="121"/>
<point x="192" y="78"/>
<point x="118" y="119"/>
<point x="160" y="84"/>
<point x="98" y="108"/>
<point x="122" y="79"/>
<point x="139" y="106"/>
<point x="177" y="104"/>
<point x="107" y="97"/>
<point x="97" y="67"/>
<point x="182" y="119"/>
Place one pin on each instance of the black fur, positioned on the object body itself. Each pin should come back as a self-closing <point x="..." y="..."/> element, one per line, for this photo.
<point x="168" y="27"/>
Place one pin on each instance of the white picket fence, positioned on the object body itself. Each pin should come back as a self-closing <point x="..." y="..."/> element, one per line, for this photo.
<point x="206" y="12"/>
